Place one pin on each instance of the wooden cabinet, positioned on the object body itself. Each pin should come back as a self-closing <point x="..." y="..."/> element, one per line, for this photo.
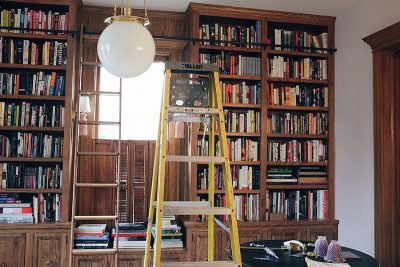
<point x="199" y="245"/>
<point x="94" y="261"/>
<point x="12" y="249"/>
<point x="313" y="233"/>
<point x="286" y="234"/>
<point x="50" y="249"/>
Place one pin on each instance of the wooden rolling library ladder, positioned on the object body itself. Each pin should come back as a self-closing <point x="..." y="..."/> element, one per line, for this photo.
<point x="95" y="96"/>
<point x="188" y="99"/>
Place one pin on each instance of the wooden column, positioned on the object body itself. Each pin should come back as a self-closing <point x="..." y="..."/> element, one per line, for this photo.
<point x="386" y="70"/>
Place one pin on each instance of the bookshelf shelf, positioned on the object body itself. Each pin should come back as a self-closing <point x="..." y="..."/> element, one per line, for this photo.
<point x="239" y="77"/>
<point x="235" y="191"/>
<point x="249" y="163"/>
<point x="33" y="160"/>
<point x="34" y="36"/>
<point x="32" y="129"/>
<point x="32" y="97"/>
<point x="234" y="134"/>
<point x="230" y="48"/>
<point x="297" y="53"/>
<point x="297" y="81"/>
<point x="296" y="136"/>
<point x="291" y="108"/>
<point x="277" y="163"/>
<point x="296" y="186"/>
<point x="244" y="106"/>
<point x="32" y="67"/>
<point x="30" y="191"/>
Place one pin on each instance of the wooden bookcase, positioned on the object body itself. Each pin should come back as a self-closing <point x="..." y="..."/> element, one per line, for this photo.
<point x="199" y="14"/>
<point x="42" y="243"/>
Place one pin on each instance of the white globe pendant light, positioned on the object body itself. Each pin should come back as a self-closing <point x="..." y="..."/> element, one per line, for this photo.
<point x="126" y="48"/>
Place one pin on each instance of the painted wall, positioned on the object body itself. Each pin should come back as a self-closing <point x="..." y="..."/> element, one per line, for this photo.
<point x="354" y="119"/>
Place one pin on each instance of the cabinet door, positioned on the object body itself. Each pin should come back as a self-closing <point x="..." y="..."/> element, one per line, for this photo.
<point x="245" y="236"/>
<point x="50" y="249"/>
<point x="286" y="234"/>
<point x="200" y="245"/>
<point x="94" y="261"/>
<point x="130" y="260"/>
<point x="313" y="233"/>
<point x="12" y="249"/>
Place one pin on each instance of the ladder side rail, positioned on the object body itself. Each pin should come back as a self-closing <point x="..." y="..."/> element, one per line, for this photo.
<point x="235" y="245"/>
<point x="161" y="174"/>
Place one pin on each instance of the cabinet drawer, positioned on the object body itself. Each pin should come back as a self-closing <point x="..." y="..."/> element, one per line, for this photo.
<point x="94" y="261"/>
<point x="12" y="249"/>
<point x="50" y="250"/>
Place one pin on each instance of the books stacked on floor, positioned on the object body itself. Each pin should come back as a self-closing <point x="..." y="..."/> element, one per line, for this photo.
<point x="280" y="176"/>
<point x="131" y="235"/>
<point x="14" y="210"/>
<point x="171" y="233"/>
<point x="91" y="236"/>
<point x="312" y="175"/>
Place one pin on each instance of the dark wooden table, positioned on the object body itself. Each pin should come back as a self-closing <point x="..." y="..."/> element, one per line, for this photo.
<point x="249" y="257"/>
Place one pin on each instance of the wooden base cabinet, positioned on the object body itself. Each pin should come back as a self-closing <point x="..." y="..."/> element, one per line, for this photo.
<point x="12" y="249"/>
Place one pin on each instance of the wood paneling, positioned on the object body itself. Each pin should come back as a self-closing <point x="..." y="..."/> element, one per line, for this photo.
<point x="386" y="70"/>
<point x="12" y="249"/>
<point x="50" y="249"/>
<point x="94" y="261"/>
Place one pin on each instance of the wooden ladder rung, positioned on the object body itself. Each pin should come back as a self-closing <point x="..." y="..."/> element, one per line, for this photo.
<point x="113" y="185"/>
<point x="88" y="63"/>
<point x="99" y="93"/>
<point x="189" y="119"/>
<point x="96" y="217"/>
<point x="99" y="122"/>
<point x="200" y="264"/>
<point x="200" y="159"/>
<point x="193" y="110"/>
<point x="98" y="153"/>
<point x="94" y="251"/>
<point x="192" y="208"/>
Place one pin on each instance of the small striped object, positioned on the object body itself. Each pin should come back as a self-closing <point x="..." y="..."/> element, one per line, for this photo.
<point x="334" y="253"/>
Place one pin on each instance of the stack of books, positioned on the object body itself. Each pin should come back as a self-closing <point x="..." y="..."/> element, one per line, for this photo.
<point x="131" y="235"/>
<point x="312" y="175"/>
<point x="91" y="236"/>
<point x="13" y="210"/>
<point x="171" y="233"/>
<point x="280" y="176"/>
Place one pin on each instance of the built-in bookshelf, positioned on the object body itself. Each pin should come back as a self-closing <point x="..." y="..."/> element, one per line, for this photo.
<point x="35" y="98"/>
<point x="276" y="80"/>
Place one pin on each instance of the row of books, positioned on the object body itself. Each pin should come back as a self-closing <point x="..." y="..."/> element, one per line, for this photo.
<point x="298" y="68"/>
<point x="240" y="93"/>
<point x="91" y="236"/>
<point x="14" y="175"/>
<point x="247" y="207"/>
<point x="230" y="35"/>
<point x="31" y="145"/>
<point x="47" y="207"/>
<point x="27" y="114"/>
<point x="131" y="235"/>
<point x="242" y="121"/>
<point x="240" y="149"/>
<point x="171" y="233"/>
<point x="29" y="83"/>
<point x="243" y="177"/>
<point x="27" y="52"/>
<point x="27" y="20"/>
<point x="304" y="175"/>
<point x="298" y="151"/>
<point x="233" y="64"/>
<point x="305" y="95"/>
<point x="304" y="123"/>
<point x="292" y="40"/>
<point x="14" y="210"/>
<point x="298" y="204"/>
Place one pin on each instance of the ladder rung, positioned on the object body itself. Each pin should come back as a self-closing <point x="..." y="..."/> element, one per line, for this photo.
<point x="99" y="93"/>
<point x="201" y="159"/>
<point x="98" y="153"/>
<point x="88" y="63"/>
<point x="95" y="218"/>
<point x="200" y="263"/>
<point x="193" y="110"/>
<point x="192" y="208"/>
<point x="94" y="251"/>
<point x="95" y="185"/>
<point x="99" y="122"/>
<point x="189" y="119"/>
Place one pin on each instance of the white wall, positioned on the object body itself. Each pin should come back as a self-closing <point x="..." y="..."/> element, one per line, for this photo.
<point x="354" y="120"/>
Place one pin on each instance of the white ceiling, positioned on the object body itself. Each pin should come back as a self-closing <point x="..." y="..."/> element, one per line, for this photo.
<point x="321" y="7"/>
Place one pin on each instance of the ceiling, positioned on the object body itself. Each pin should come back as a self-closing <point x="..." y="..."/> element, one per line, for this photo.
<point x="320" y="7"/>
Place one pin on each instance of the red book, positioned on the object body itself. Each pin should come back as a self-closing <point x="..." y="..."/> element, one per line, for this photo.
<point x="325" y="204"/>
<point x="129" y="234"/>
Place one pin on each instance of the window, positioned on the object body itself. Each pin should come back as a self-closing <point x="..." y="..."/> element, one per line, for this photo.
<point x="141" y="101"/>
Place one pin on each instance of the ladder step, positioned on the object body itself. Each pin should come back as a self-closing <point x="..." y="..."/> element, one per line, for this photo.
<point x="189" y="119"/>
<point x="94" y="251"/>
<point x="88" y="63"/>
<point x="99" y="122"/>
<point x="99" y="93"/>
<point x="192" y="208"/>
<point x="95" y="218"/>
<point x="201" y="159"/>
<point x="95" y="185"/>
<point x="98" y="153"/>
<point x="193" y="110"/>
<point x="200" y="263"/>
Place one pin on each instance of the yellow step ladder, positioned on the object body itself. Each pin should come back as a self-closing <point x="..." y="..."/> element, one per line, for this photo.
<point x="189" y="99"/>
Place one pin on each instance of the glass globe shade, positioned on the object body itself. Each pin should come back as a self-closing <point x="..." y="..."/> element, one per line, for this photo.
<point x="126" y="49"/>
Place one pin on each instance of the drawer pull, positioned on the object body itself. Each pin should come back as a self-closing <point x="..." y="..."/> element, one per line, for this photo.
<point x="50" y="263"/>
